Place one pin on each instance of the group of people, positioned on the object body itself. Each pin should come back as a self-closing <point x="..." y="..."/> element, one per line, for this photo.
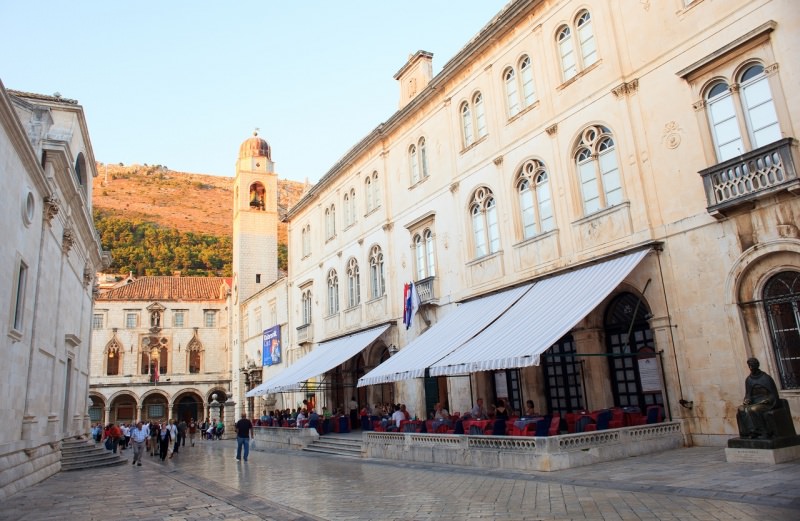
<point x="162" y="438"/>
<point x="212" y="429"/>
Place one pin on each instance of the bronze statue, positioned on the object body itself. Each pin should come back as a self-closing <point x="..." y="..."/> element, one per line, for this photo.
<point x="761" y="395"/>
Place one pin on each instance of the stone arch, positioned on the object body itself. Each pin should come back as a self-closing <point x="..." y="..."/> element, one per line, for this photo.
<point x="744" y="286"/>
<point x="187" y="404"/>
<point x="123" y="407"/>
<point x="155" y="405"/>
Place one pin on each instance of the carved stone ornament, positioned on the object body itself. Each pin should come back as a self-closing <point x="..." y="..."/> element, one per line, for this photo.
<point x="68" y="240"/>
<point x="51" y="207"/>
<point x="626" y="88"/>
<point x="552" y="129"/>
<point x="672" y="135"/>
<point x="88" y="275"/>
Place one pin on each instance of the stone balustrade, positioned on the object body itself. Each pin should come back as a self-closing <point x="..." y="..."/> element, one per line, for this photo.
<point x="525" y="453"/>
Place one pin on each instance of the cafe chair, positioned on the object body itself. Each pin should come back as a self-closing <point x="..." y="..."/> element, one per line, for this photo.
<point x="603" y="420"/>
<point x="555" y="425"/>
<point x="499" y="428"/>
<point x="617" y="418"/>
<point x="655" y="414"/>
<point x="582" y="422"/>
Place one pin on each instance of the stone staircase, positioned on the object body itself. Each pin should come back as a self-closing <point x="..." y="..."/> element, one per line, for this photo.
<point x="84" y="454"/>
<point x="336" y="446"/>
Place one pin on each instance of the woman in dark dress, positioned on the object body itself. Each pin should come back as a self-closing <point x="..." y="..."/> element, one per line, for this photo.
<point x="164" y="439"/>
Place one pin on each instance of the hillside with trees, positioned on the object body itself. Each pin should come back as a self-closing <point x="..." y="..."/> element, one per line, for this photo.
<point x="156" y="221"/>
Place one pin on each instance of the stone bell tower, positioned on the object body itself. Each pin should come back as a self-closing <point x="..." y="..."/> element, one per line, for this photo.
<point x="255" y="219"/>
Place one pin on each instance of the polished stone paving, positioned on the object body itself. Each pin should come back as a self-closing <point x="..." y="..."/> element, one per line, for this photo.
<point x="205" y="482"/>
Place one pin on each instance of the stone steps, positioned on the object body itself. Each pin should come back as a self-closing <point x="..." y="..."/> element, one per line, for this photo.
<point x="347" y="447"/>
<point x="83" y="454"/>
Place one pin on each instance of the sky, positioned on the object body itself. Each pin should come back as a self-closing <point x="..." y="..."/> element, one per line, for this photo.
<point x="183" y="84"/>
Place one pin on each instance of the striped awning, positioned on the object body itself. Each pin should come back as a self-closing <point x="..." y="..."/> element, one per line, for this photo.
<point x="455" y="328"/>
<point x="539" y="319"/>
<point x="324" y="357"/>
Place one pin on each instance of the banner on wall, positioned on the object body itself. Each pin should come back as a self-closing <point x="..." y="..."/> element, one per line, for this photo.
<point x="271" y="348"/>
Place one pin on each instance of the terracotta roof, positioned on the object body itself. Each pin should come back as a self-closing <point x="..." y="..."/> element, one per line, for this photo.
<point x="43" y="97"/>
<point x="170" y="288"/>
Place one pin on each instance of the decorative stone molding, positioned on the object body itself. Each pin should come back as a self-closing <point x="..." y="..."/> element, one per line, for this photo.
<point x="388" y="227"/>
<point x="498" y="160"/>
<point x="769" y="69"/>
<point x="552" y="129"/>
<point x="51" y="207"/>
<point x="68" y="240"/>
<point x="672" y="135"/>
<point x="88" y="275"/>
<point x="626" y="88"/>
<point x="699" y="105"/>
<point x="454" y="187"/>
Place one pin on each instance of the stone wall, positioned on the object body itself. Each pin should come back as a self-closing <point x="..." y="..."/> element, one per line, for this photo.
<point x="525" y="453"/>
<point x="283" y="438"/>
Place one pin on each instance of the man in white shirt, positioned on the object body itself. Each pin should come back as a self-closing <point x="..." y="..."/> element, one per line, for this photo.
<point x="138" y="436"/>
<point x="397" y="417"/>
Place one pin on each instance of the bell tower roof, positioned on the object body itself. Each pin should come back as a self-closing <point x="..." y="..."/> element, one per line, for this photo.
<point x="255" y="147"/>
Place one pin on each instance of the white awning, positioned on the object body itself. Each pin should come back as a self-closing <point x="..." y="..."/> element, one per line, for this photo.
<point x="324" y="357"/>
<point x="539" y="319"/>
<point x="461" y="324"/>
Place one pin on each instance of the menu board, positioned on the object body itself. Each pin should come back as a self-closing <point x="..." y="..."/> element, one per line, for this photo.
<point x="649" y="375"/>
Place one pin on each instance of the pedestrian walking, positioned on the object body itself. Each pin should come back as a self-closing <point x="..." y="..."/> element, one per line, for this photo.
<point x="244" y="431"/>
<point x="164" y="438"/>
<point x="173" y="436"/>
<point x="155" y="430"/>
<point x="138" y="438"/>
<point x="182" y="429"/>
<point x="192" y="431"/>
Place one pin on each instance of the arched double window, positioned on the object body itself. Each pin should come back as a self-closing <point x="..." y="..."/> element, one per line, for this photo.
<point x="473" y="119"/>
<point x="418" y="161"/>
<point x="598" y="169"/>
<point x="194" y="351"/>
<point x="330" y="222"/>
<point x="376" y="274"/>
<point x="535" y="204"/>
<point x="306" y="239"/>
<point x="485" y="229"/>
<point x="307" y="304"/>
<point x="113" y="356"/>
<point x="372" y="192"/>
<point x="424" y="257"/>
<point x="782" y="306"/>
<point x="752" y="96"/>
<point x="333" y="292"/>
<point x="577" y="35"/>
<point x="519" y="85"/>
<point x="353" y="284"/>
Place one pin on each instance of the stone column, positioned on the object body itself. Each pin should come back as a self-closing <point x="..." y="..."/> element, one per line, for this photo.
<point x="230" y="419"/>
<point x="597" y="378"/>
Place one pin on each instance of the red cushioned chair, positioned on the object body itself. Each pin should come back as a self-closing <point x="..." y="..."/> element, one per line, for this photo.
<point x="555" y="425"/>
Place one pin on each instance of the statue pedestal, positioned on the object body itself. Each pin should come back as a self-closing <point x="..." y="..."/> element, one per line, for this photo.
<point x="769" y="452"/>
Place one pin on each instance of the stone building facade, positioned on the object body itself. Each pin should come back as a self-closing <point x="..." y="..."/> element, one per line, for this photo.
<point x="160" y="350"/>
<point x="566" y="136"/>
<point x="49" y="256"/>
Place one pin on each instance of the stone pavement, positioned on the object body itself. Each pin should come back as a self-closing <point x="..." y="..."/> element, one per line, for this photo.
<point x="205" y="482"/>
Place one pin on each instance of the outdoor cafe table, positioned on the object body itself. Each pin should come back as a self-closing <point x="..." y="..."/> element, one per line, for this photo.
<point x="476" y="426"/>
<point x="412" y="426"/>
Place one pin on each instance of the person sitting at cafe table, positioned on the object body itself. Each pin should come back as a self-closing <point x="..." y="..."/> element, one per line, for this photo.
<point x="529" y="412"/>
<point x="397" y="417"/>
<point x="479" y="411"/>
<point x="441" y="416"/>
<point x="500" y="411"/>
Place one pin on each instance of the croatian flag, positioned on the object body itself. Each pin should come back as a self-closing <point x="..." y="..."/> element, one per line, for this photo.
<point x="410" y="304"/>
